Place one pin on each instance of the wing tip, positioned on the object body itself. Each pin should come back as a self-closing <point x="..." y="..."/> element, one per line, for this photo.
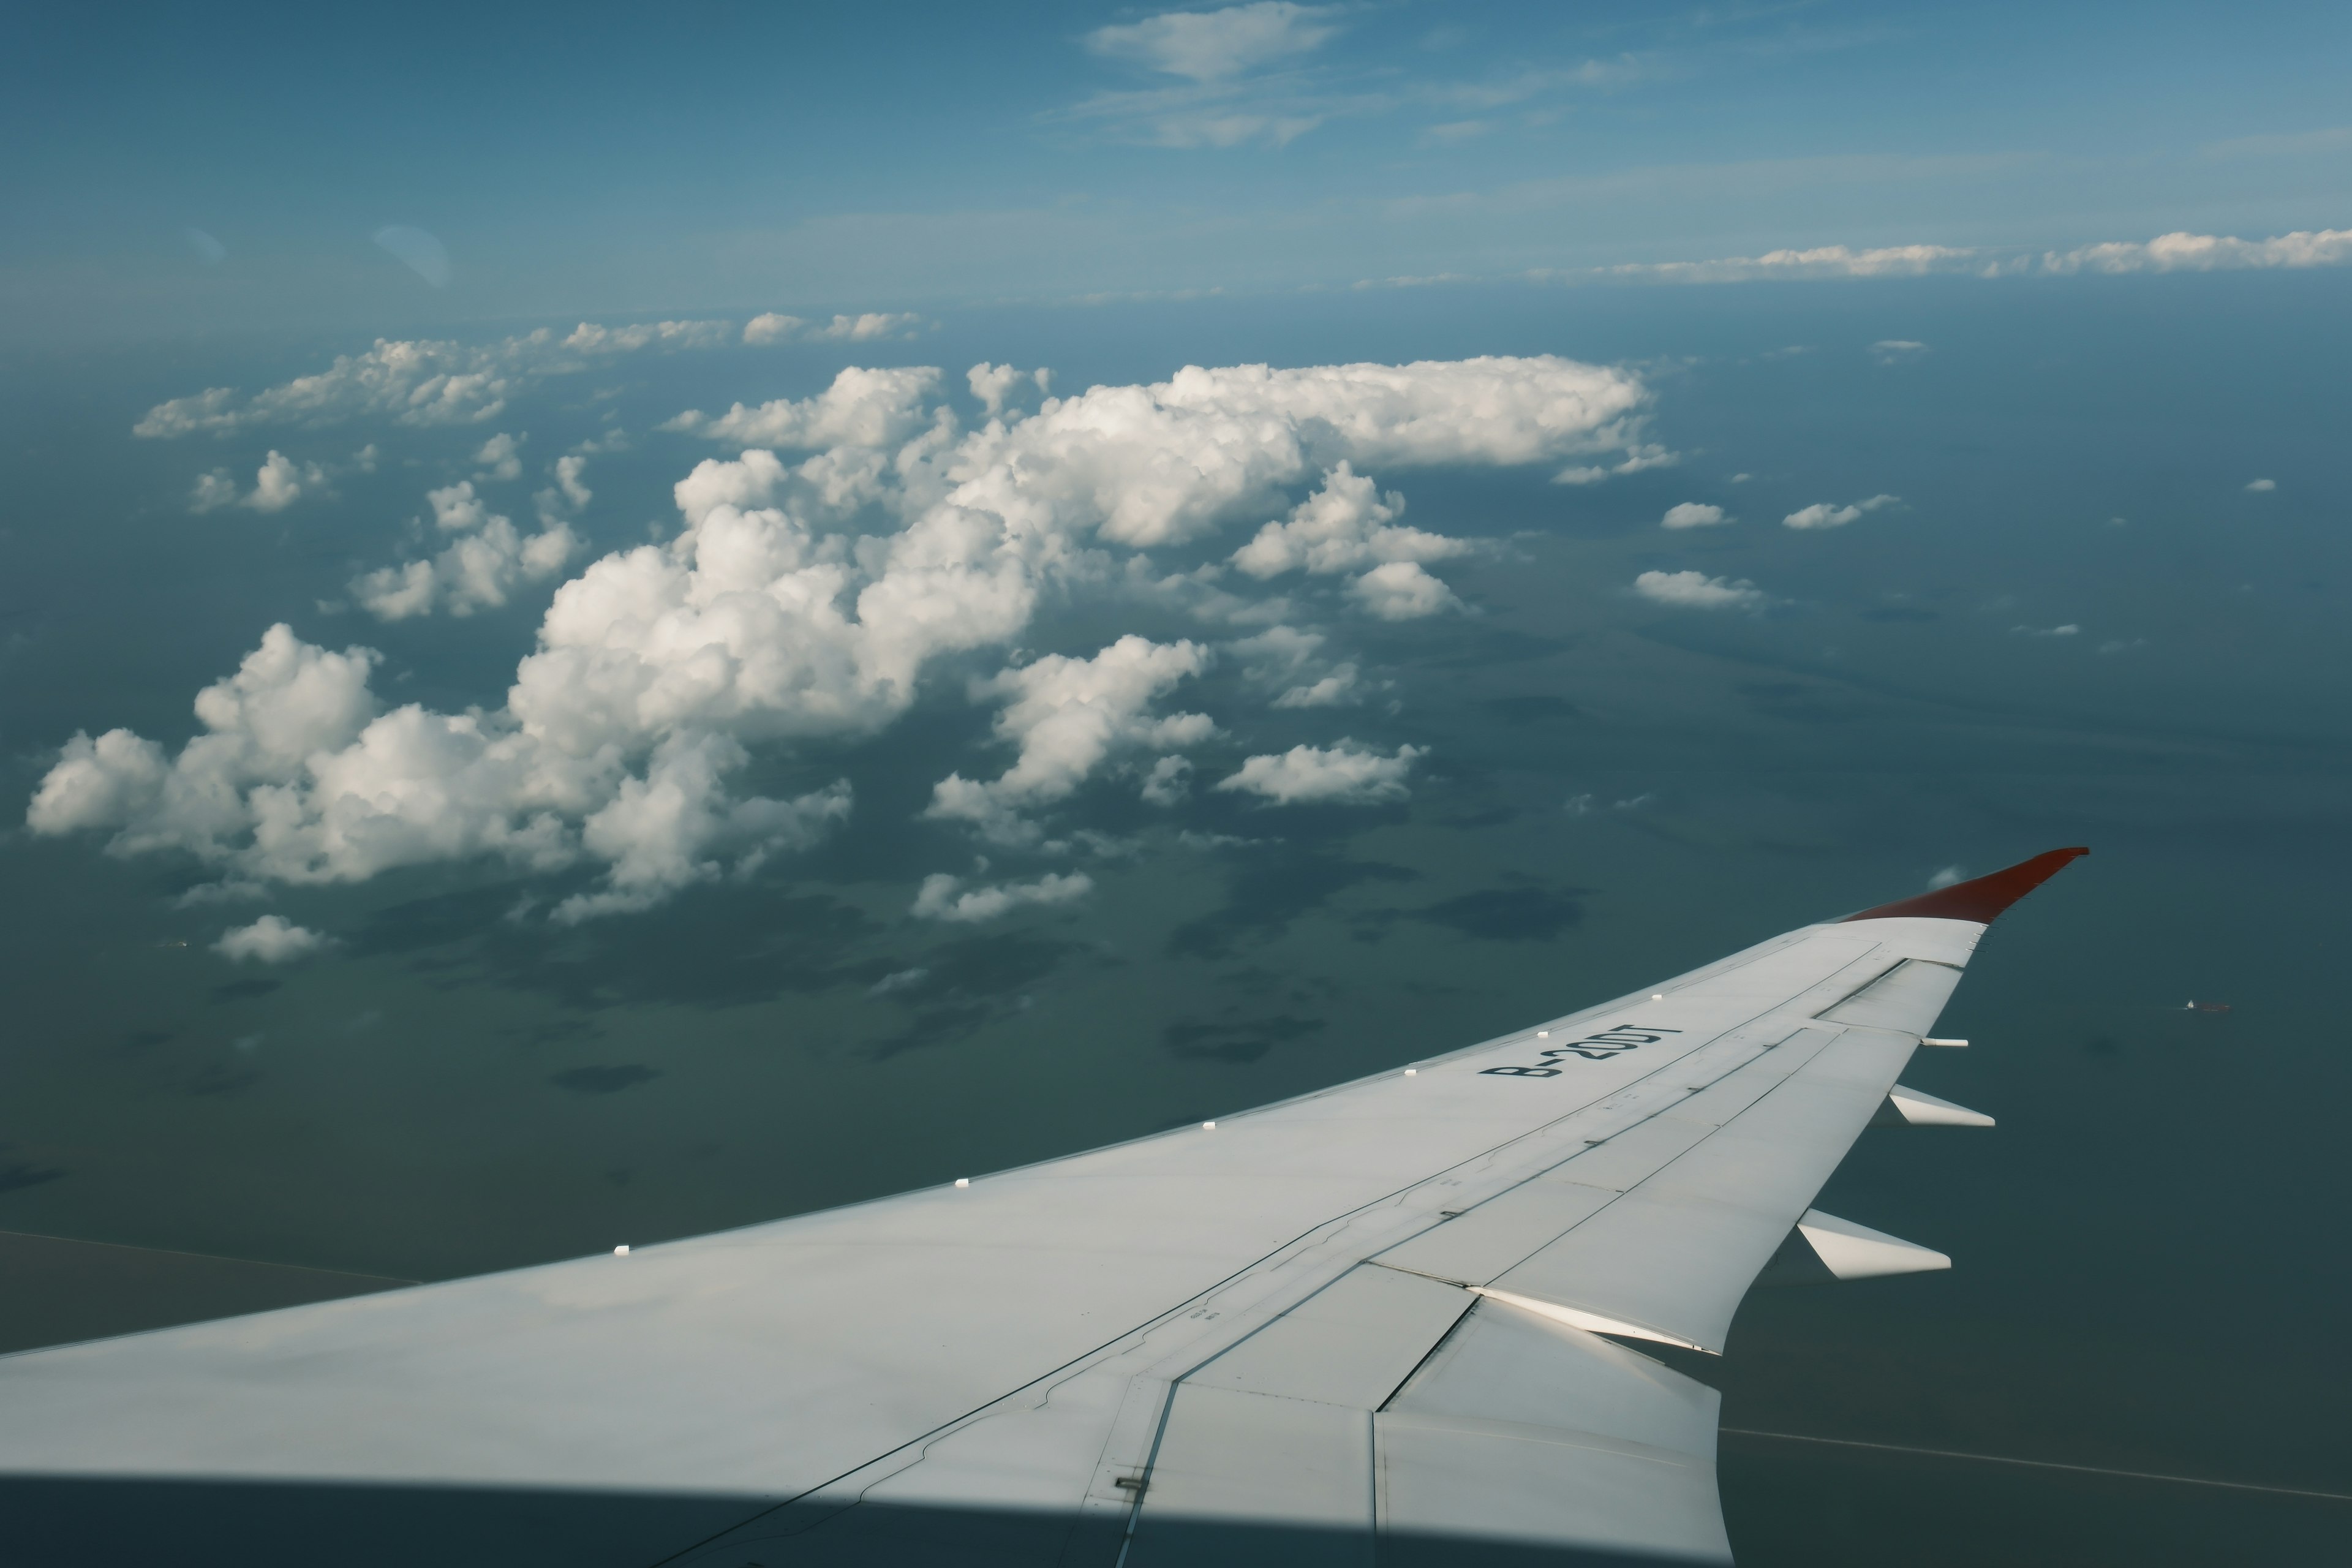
<point x="1982" y="899"/>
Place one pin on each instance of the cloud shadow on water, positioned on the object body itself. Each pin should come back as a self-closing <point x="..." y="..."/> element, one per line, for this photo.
<point x="604" y="1079"/>
<point x="716" y="947"/>
<point x="1269" y="890"/>
<point x="1507" y="914"/>
<point x="1242" y="1040"/>
<point x="968" y="983"/>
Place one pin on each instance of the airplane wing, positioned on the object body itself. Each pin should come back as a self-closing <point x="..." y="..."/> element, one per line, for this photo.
<point x="1383" y="1320"/>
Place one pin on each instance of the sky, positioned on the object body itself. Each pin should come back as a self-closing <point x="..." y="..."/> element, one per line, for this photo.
<point x="228" y="169"/>
<point x="611" y="627"/>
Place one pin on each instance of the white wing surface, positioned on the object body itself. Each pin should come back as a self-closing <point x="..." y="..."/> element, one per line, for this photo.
<point x="1376" y="1323"/>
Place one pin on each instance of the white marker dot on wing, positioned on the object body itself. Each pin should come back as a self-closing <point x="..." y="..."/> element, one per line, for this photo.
<point x="1410" y="1072"/>
<point x="1208" y="1126"/>
<point x="620" y="1252"/>
<point x="964" y="1181"/>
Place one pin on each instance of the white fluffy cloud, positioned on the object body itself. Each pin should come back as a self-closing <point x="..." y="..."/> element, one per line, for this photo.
<point x="861" y="408"/>
<point x="992" y="384"/>
<point x="1694" y="514"/>
<point x="1697" y="591"/>
<point x="1169" y="782"/>
<point x="478" y="571"/>
<point x="1067" y="715"/>
<point x="422" y="382"/>
<point x="945" y="898"/>
<point x="1212" y="45"/>
<point x="1344" y="775"/>
<point x="569" y="491"/>
<point x="2258" y="486"/>
<point x="670" y="828"/>
<point x="276" y="485"/>
<point x="776" y="328"/>
<point x="1827" y="514"/>
<point x="1287" y="660"/>
<point x="1344" y="526"/>
<point x="799" y="601"/>
<point x="500" y="458"/>
<point x="269" y="940"/>
<point x="1637" y="458"/>
<point x="1401" y="590"/>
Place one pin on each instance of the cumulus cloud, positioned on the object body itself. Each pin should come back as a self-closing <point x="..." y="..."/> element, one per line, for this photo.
<point x="1694" y="514"/>
<point x="422" y="382"/>
<point x="269" y="940"/>
<point x="671" y="829"/>
<point x="992" y="385"/>
<point x="861" y="408"/>
<point x="1401" y="590"/>
<point x="803" y="601"/>
<point x="1895" y="351"/>
<point x="1344" y="775"/>
<point x="2258" y="486"/>
<point x="2068" y="630"/>
<point x="570" y="492"/>
<point x="500" y="458"/>
<point x="1287" y="660"/>
<point x="1697" y="591"/>
<point x="1169" y="782"/>
<point x="479" y="571"/>
<point x="1344" y="526"/>
<point x="1947" y="876"/>
<point x="276" y="485"/>
<point x="1827" y="514"/>
<point x="1066" y="715"/>
<point x="212" y="492"/>
<point x="1637" y="458"/>
<point x="1338" y="688"/>
<point x="776" y="328"/>
<point x="1212" y="45"/>
<point x="945" y="898"/>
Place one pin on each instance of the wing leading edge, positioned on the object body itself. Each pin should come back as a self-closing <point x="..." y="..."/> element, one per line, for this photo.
<point x="1368" y="1319"/>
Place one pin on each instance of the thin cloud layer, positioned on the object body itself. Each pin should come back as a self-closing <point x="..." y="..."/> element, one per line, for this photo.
<point x="2180" y="251"/>
<point x="421" y="381"/>
<point x="1212" y="46"/>
<point x="774" y="327"/>
<point x="809" y="598"/>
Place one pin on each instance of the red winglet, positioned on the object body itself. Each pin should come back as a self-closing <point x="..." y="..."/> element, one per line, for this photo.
<point x="1982" y="899"/>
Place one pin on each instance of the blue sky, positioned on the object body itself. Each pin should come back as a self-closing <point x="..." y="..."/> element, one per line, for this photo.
<point x="614" y="160"/>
